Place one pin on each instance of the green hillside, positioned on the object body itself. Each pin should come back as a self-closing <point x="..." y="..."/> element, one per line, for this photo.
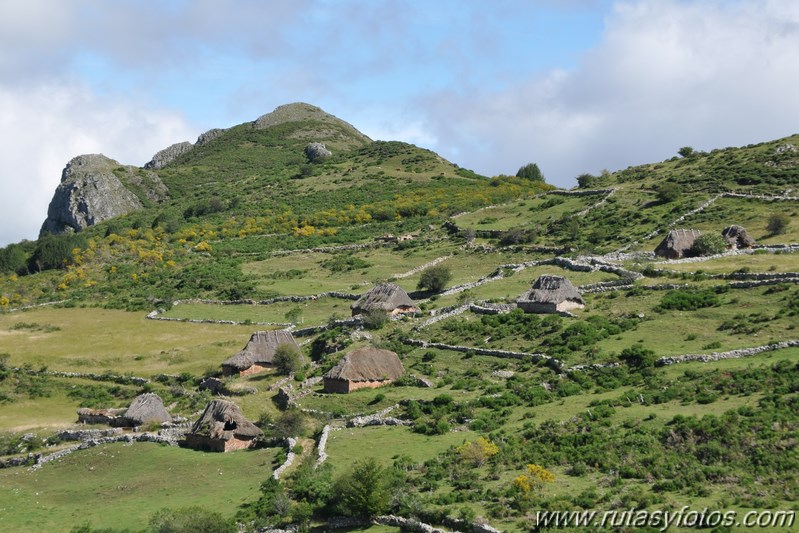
<point x="676" y="385"/>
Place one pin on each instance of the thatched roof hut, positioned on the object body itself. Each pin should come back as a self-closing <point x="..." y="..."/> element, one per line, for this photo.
<point x="388" y="297"/>
<point x="551" y="294"/>
<point x="147" y="408"/>
<point x="737" y="237"/>
<point x="259" y="354"/>
<point x="362" y="368"/>
<point x="222" y="428"/>
<point x="677" y="243"/>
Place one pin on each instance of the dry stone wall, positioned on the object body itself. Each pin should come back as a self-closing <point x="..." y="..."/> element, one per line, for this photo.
<point x="290" y="457"/>
<point x="732" y="354"/>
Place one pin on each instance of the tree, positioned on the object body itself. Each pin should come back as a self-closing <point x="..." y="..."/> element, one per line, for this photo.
<point x="478" y="451"/>
<point x="364" y="491"/>
<point x="13" y="259"/>
<point x="273" y="501"/>
<point x="435" y="278"/>
<point x="54" y="251"/>
<point x="312" y="483"/>
<point x="638" y="357"/>
<point x="287" y="359"/>
<point x="530" y="172"/>
<point x="534" y="479"/>
<point x="686" y="151"/>
<point x="515" y="236"/>
<point x="668" y="192"/>
<point x="777" y="223"/>
<point x="708" y="244"/>
<point x="586" y="181"/>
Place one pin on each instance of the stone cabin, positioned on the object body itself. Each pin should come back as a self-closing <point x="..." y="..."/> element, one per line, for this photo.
<point x="222" y="428"/>
<point x="387" y="297"/>
<point x="551" y="294"/>
<point x="145" y="408"/>
<point x="677" y="243"/>
<point x="259" y="354"/>
<point x="737" y="237"/>
<point x="363" y="368"/>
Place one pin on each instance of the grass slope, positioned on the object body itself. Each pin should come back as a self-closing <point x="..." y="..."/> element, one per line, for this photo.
<point x="121" y="486"/>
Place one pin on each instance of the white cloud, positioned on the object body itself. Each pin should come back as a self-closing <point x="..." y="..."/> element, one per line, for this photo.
<point x="46" y="126"/>
<point x="666" y="74"/>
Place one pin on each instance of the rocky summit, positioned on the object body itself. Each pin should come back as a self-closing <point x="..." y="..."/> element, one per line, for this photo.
<point x="89" y="193"/>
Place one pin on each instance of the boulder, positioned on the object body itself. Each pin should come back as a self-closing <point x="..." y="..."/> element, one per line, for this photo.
<point x="317" y="152"/>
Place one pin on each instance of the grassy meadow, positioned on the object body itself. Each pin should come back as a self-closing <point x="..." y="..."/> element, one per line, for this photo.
<point x="105" y="340"/>
<point x="133" y="480"/>
<point x="627" y="435"/>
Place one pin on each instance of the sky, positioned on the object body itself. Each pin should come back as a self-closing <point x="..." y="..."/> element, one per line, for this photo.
<point x="575" y="86"/>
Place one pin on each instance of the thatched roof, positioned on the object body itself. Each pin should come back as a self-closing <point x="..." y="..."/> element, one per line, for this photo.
<point x="549" y="289"/>
<point x="146" y="408"/>
<point x="677" y="242"/>
<point x="384" y="296"/>
<point x="260" y="349"/>
<point x="222" y="419"/>
<point x="367" y="364"/>
<point x="737" y="237"/>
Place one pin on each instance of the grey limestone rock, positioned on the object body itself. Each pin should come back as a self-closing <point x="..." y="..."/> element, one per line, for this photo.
<point x="167" y="155"/>
<point x="209" y="136"/>
<point x="317" y="152"/>
<point x="89" y="192"/>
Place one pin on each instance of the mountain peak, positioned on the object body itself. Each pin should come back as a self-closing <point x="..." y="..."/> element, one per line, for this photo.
<point x="299" y="112"/>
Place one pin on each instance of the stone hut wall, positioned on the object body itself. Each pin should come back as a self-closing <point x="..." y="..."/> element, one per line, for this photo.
<point x="343" y="386"/>
<point x="536" y="307"/>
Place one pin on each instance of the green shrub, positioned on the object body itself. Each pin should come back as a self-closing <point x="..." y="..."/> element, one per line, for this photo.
<point x="288" y="358"/>
<point x="364" y="491"/>
<point x="777" y="223"/>
<point x="435" y="278"/>
<point x="708" y="244"/>
<point x="290" y="424"/>
<point x="530" y="172"/>
<point x="668" y="192"/>
<point x="375" y="319"/>
<point x="344" y="263"/>
<point x="689" y="300"/>
<point x="638" y="357"/>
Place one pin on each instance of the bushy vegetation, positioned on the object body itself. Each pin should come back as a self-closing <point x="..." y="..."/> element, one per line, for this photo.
<point x="689" y="300"/>
<point x="435" y="278"/>
<point x="530" y="172"/>
<point x="288" y="359"/>
<point x="777" y="223"/>
<point x="708" y="244"/>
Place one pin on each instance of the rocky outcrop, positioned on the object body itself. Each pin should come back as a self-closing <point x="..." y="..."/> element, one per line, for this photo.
<point x="317" y="152"/>
<point x="209" y="136"/>
<point x="167" y="155"/>
<point x="95" y="188"/>
<point x="89" y="192"/>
